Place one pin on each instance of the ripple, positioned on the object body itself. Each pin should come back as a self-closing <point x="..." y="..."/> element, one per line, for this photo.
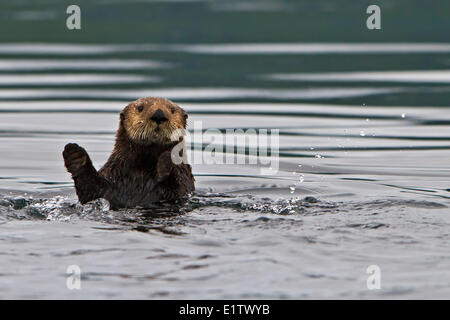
<point x="79" y="64"/>
<point x="35" y="15"/>
<point x="70" y="79"/>
<point x="417" y="76"/>
<point x="317" y="48"/>
<point x="186" y="93"/>
<point x="227" y="48"/>
<point x="251" y="6"/>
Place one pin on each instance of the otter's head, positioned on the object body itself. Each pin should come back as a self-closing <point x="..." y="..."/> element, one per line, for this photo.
<point x="153" y="120"/>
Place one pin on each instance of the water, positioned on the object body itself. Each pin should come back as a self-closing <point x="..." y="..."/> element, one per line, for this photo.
<point x="363" y="122"/>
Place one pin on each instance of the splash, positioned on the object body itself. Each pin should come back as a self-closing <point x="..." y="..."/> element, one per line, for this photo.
<point x="64" y="209"/>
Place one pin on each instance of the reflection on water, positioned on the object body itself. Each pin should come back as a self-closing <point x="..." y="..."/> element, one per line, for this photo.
<point x="226" y="49"/>
<point x="69" y="79"/>
<point x="193" y="94"/>
<point x="437" y="76"/>
<point x="363" y="120"/>
<point x="78" y="64"/>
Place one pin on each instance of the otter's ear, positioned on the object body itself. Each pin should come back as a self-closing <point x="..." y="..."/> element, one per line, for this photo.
<point x="122" y="113"/>
<point x="185" y="116"/>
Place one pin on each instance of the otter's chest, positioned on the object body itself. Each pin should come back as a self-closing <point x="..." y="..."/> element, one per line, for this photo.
<point x="134" y="188"/>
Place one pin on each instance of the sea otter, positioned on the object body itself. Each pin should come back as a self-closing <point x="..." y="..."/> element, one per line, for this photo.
<point x="140" y="170"/>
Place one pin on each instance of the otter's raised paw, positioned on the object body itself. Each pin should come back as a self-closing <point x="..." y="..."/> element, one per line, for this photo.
<point x="164" y="166"/>
<point x="75" y="157"/>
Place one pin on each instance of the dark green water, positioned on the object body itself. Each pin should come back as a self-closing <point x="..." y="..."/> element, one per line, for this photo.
<point x="245" y="22"/>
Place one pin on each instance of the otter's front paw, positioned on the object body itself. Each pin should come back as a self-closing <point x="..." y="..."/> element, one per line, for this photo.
<point x="75" y="158"/>
<point x="164" y="166"/>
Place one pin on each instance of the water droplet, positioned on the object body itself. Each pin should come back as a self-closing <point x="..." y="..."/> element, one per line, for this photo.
<point x="318" y="156"/>
<point x="292" y="188"/>
<point x="311" y="148"/>
<point x="367" y="120"/>
<point x="362" y="133"/>
<point x="301" y="179"/>
<point x="403" y="115"/>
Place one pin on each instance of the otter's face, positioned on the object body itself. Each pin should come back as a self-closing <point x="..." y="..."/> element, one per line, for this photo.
<point x="153" y="120"/>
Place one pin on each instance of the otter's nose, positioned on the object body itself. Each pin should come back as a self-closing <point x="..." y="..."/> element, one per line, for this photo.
<point x="159" y="116"/>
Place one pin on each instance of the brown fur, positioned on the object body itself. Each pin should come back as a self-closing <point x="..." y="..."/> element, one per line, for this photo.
<point x="139" y="171"/>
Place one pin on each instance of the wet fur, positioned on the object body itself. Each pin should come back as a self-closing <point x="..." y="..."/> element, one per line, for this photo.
<point x="139" y="171"/>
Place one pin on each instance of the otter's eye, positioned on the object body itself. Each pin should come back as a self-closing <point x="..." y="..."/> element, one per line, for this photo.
<point x="172" y="109"/>
<point x="140" y="108"/>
